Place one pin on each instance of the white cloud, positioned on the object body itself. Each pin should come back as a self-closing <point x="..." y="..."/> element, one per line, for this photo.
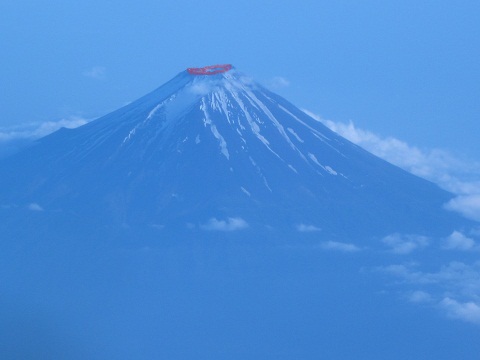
<point x="96" y="72"/>
<point x="454" y="288"/>
<point x="35" y="131"/>
<point x="459" y="241"/>
<point x="339" y="246"/>
<point x="278" y="82"/>
<point x="458" y="277"/>
<point x="14" y="138"/>
<point x="34" y="207"/>
<point x="467" y="205"/>
<point x="407" y="273"/>
<point x="231" y="224"/>
<point x="201" y="88"/>
<point x="466" y="311"/>
<point x="461" y="177"/>
<point x="307" y="228"/>
<point x="420" y="297"/>
<point x="405" y="244"/>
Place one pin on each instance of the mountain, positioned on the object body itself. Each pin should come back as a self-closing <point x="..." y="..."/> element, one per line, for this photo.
<point x="212" y="145"/>
<point x="212" y="219"/>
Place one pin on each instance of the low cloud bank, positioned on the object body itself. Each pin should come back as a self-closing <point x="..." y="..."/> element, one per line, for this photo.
<point x="14" y="138"/>
<point x="35" y="131"/>
<point x="454" y="288"/>
<point x="461" y="177"/>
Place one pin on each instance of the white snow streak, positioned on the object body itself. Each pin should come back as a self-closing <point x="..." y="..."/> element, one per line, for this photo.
<point x="330" y="170"/>
<point x="291" y="131"/>
<point x="293" y="169"/>
<point x="326" y="168"/>
<point x="245" y="191"/>
<point x="320" y="135"/>
<point x="213" y="128"/>
<point x="253" y="125"/>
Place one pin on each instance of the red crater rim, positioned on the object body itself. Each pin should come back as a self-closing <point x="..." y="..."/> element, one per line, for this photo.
<point x="210" y="70"/>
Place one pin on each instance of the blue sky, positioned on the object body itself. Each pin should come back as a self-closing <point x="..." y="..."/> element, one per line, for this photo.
<point x="407" y="69"/>
<point x="400" y="78"/>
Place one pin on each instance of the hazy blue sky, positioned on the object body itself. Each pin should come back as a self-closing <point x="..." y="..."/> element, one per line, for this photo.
<point x="408" y="69"/>
<point x="405" y="73"/>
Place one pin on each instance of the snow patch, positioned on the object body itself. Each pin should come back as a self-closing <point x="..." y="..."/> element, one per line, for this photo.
<point x="253" y="124"/>
<point x="214" y="130"/>
<point x="293" y="169"/>
<point x="326" y="168"/>
<point x="330" y="170"/>
<point x="314" y="159"/>
<point x="245" y="191"/>
<point x="291" y="131"/>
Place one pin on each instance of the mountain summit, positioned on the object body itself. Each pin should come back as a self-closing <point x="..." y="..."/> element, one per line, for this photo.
<point x="211" y="146"/>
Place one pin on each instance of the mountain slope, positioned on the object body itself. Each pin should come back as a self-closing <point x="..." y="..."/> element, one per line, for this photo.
<point x="219" y="146"/>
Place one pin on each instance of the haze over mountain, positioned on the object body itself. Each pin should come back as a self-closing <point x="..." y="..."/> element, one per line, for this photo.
<point x="200" y="220"/>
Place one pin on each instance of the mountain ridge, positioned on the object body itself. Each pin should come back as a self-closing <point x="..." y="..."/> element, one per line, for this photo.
<point x="221" y="146"/>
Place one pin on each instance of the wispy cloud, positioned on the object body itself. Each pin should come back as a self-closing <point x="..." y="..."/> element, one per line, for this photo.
<point x="419" y="296"/>
<point x="466" y="311"/>
<point x="278" y="82"/>
<point x="459" y="241"/>
<point x="459" y="176"/>
<point x="34" y="207"/>
<point x="230" y="224"/>
<point x="96" y="72"/>
<point x="14" y="138"/>
<point x="468" y="205"/>
<point x="454" y="288"/>
<point x="405" y="244"/>
<point x="339" y="246"/>
<point x="307" y="228"/>
<point x="35" y="131"/>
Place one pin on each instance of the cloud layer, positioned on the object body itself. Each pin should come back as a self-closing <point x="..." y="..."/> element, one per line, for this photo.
<point x="14" y="138"/>
<point x="454" y="288"/>
<point x="35" y="131"/>
<point x="461" y="177"/>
